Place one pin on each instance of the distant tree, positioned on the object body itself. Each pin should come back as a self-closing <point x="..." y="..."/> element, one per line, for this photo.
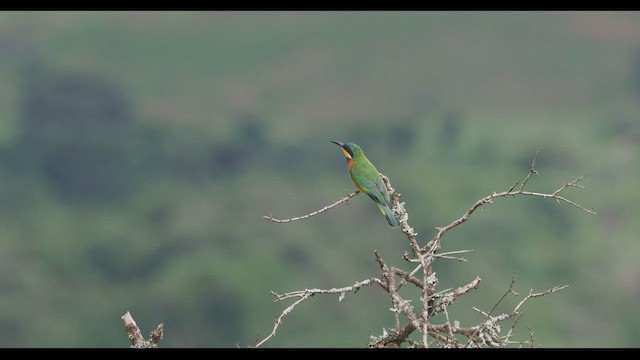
<point x="450" y="130"/>
<point x="77" y="133"/>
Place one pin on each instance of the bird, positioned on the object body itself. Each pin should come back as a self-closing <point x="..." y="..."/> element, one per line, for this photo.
<point x="367" y="179"/>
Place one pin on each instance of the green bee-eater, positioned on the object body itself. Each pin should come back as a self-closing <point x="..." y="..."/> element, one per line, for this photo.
<point x="367" y="179"/>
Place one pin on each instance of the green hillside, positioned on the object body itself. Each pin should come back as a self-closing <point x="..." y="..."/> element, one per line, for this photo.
<point x="140" y="150"/>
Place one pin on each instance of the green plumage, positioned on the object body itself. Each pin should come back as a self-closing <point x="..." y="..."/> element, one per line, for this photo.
<point x="367" y="179"/>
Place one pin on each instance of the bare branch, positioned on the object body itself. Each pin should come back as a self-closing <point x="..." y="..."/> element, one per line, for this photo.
<point x="513" y="326"/>
<point x="491" y="321"/>
<point x="306" y="294"/>
<point x="401" y="304"/>
<point x="132" y="329"/>
<point x="509" y="291"/>
<point x="353" y="288"/>
<point x="532" y="170"/>
<point x="156" y="335"/>
<point x="452" y="339"/>
<point x="402" y="215"/>
<point x="556" y="197"/>
<point x="408" y="277"/>
<point x="384" y="269"/>
<point x="135" y="335"/>
<point x="283" y="314"/>
<point x="428" y="290"/>
<point x="395" y="339"/>
<point x="446" y="255"/>
<point x="413" y="272"/>
<point x="535" y="295"/>
<point x="344" y="199"/>
<point x="465" y="289"/>
<point x="530" y="336"/>
<point x="487" y="333"/>
<point x="489" y="199"/>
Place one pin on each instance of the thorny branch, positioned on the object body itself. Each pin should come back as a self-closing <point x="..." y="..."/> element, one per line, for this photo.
<point x="446" y="334"/>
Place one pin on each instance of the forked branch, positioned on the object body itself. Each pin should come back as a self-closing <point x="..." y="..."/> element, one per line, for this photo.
<point x="135" y="335"/>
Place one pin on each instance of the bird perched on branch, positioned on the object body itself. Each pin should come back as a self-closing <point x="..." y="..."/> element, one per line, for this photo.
<point x="367" y="179"/>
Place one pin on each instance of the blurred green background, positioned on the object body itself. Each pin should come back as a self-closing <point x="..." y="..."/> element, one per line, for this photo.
<point x="139" y="151"/>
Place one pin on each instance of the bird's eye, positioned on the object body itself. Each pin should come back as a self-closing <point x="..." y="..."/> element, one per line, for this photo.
<point x="349" y="150"/>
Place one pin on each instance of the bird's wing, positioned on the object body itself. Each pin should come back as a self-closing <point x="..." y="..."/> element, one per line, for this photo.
<point x="382" y="190"/>
<point x="367" y="178"/>
<point x="377" y="191"/>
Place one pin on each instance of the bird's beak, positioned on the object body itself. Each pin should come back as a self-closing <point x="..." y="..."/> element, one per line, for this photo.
<point x="344" y="150"/>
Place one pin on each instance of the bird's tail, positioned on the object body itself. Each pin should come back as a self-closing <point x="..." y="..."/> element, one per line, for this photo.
<point x="386" y="211"/>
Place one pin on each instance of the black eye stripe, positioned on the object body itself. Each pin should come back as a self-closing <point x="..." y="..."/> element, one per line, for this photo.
<point x="348" y="148"/>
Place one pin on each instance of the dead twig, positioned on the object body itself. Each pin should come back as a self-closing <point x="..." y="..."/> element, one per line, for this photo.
<point x="306" y="294"/>
<point x="135" y="335"/>
<point x="465" y="289"/>
<point x="491" y="321"/>
<point x="344" y="199"/>
<point x="282" y="315"/>
<point x="489" y="199"/>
